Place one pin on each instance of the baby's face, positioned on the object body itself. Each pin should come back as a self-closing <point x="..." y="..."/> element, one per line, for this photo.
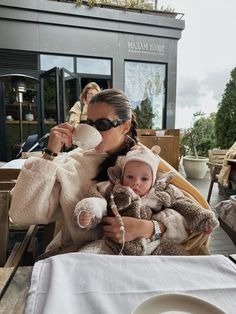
<point x="138" y="176"/>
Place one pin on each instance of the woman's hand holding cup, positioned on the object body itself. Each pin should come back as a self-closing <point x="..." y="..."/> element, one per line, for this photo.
<point x="60" y="135"/>
<point x="86" y="137"/>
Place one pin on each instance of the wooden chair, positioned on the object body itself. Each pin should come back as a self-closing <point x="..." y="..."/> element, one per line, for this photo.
<point x="8" y="177"/>
<point x="9" y="174"/>
<point x="216" y="158"/>
<point x="6" y="185"/>
<point x="169" y="143"/>
<point x="14" y="259"/>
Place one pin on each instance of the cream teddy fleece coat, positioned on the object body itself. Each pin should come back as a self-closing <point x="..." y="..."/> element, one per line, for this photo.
<point x="47" y="191"/>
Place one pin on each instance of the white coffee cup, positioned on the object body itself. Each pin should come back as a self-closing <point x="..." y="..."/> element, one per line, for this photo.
<point x="29" y="117"/>
<point x="87" y="137"/>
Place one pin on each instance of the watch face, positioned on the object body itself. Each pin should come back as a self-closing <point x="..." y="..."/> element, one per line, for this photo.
<point x="157" y="231"/>
<point x="156" y="236"/>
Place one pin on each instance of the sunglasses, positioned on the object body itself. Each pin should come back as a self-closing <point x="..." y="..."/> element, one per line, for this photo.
<point x="104" y="124"/>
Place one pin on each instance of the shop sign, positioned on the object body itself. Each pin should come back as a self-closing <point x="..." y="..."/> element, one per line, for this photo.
<point x="146" y="47"/>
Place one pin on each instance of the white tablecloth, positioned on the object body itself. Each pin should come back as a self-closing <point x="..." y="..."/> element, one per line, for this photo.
<point x="15" y="163"/>
<point x="93" y="284"/>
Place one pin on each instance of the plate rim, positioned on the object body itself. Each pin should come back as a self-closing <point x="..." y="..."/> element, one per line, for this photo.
<point x="178" y="294"/>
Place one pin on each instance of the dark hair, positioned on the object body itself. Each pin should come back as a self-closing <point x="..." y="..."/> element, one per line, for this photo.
<point x="122" y="108"/>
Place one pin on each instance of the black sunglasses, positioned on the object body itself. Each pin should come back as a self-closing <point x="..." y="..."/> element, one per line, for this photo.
<point x="104" y="124"/>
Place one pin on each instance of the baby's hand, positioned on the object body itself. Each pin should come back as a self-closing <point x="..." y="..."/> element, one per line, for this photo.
<point x="207" y="224"/>
<point x="84" y="218"/>
<point x="208" y="228"/>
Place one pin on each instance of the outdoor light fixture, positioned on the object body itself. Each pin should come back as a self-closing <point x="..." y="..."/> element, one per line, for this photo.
<point x="20" y="83"/>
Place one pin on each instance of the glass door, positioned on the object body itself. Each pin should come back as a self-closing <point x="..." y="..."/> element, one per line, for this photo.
<point x="50" y="100"/>
<point x="70" y="91"/>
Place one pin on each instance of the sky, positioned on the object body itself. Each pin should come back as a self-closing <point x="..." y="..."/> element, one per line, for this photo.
<point x="206" y="55"/>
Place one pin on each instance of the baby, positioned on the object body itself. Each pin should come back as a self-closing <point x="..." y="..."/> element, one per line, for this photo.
<point x="136" y="189"/>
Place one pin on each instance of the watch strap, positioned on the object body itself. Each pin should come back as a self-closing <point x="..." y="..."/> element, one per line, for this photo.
<point x="50" y="153"/>
<point x="157" y="231"/>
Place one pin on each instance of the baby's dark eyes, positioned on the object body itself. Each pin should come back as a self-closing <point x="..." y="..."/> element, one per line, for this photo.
<point x="129" y="177"/>
<point x="144" y="179"/>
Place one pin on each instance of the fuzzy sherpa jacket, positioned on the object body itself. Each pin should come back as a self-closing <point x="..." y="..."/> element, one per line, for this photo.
<point x="47" y="191"/>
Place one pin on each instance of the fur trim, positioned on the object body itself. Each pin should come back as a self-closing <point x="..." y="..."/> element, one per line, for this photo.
<point x="97" y="206"/>
<point x="175" y="225"/>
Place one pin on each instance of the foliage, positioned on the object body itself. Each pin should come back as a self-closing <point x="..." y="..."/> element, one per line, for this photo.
<point x="226" y="115"/>
<point x="198" y="139"/>
<point x="138" y="4"/>
<point x="91" y="3"/>
<point x="144" y="114"/>
<point x="167" y="9"/>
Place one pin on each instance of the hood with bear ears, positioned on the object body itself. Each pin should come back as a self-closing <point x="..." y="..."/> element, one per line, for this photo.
<point x="163" y="179"/>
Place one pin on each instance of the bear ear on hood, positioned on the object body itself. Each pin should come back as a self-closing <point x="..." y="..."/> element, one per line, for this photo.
<point x="115" y="172"/>
<point x="156" y="149"/>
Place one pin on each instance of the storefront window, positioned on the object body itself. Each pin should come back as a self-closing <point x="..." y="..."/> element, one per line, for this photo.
<point x="94" y="66"/>
<point x="145" y="87"/>
<point x="48" y="62"/>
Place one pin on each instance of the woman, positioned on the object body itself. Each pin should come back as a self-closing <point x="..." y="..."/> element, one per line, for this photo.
<point x="48" y="188"/>
<point x="78" y="113"/>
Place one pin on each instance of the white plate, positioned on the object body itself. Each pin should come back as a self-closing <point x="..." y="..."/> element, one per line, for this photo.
<point x="176" y="303"/>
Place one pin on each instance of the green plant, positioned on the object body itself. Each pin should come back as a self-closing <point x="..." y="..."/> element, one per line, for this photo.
<point x="167" y="9"/>
<point x="145" y="114"/>
<point x="78" y="3"/>
<point x="226" y="115"/>
<point x="126" y="4"/>
<point x="198" y="139"/>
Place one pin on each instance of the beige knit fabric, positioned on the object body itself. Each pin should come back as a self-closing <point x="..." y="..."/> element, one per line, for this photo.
<point x="75" y="116"/>
<point x="225" y="171"/>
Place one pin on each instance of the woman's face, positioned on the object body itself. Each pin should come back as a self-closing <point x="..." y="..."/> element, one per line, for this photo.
<point x="113" y="138"/>
<point x="90" y="94"/>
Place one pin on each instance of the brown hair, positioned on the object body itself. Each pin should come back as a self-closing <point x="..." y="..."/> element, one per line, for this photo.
<point x="122" y="108"/>
<point x="91" y="85"/>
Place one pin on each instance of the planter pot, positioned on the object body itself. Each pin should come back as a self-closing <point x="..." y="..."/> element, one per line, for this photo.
<point x="195" y="168"/>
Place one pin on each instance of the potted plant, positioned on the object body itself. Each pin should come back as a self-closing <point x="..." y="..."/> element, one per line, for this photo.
<point x="196" y="141"/>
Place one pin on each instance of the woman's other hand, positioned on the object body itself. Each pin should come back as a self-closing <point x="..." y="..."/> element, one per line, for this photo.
<point x="60" y="135"/>
<point x="134" y="228"/>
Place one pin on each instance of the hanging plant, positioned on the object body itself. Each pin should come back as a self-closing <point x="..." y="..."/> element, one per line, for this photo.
<point x="126" y="4"/>
<point x="78" y="3"/>
<point x="91" y="3"/>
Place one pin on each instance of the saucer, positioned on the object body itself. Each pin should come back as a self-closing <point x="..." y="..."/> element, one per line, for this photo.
<point x="176" y="303"/>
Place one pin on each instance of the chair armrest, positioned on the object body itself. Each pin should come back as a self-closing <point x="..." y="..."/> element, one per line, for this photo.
<point x="16" y="256"/>
<point x="212" y="164"/>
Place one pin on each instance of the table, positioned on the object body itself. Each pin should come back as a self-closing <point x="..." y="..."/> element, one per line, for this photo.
<point x="231" y="162"/>
<point x="15" y="164"/>
<point x="232" y="175"/>
<point x="13" y="301"/>
<point x="91" y="283"/>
